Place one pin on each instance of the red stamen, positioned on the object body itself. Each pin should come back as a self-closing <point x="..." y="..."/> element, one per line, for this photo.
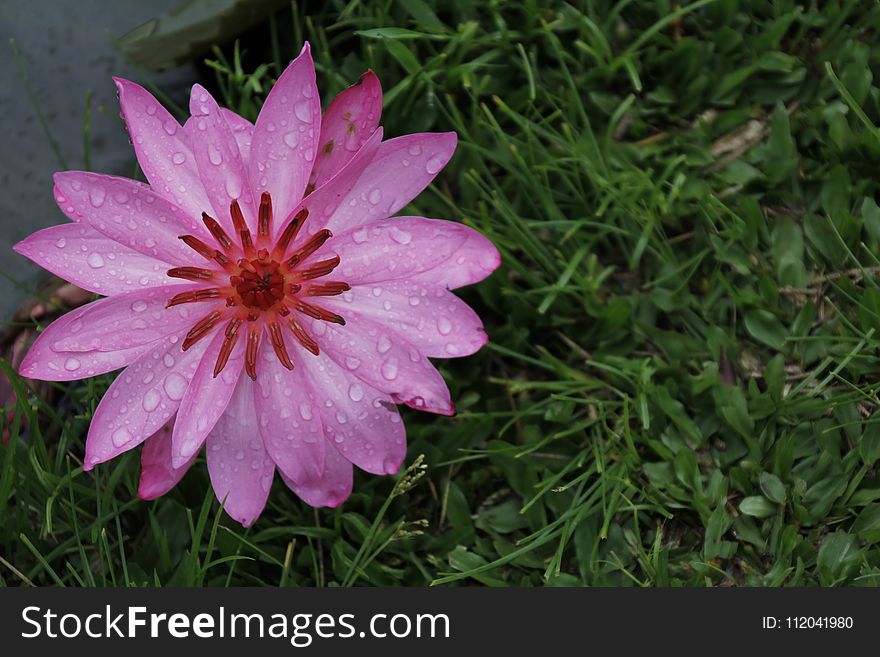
<point x="228" y="343"/>
<point x="217" y="231"/>
<point x="265" y="215"/>
<point x="250" y="356"/>
<point x="290" y="231"/>
<point x="321" y="268"/>
<point x="241" y="226"/>
<point x="327" y="289"/>
<point x="314" y="243"/>
<point x="205" y="251"/>
<point x="193" y="296"/>
<point x="191" y="273"/>
<point x="304" y="338"/>
<point x="278" y="344"/>
<point x="201" y="329"/>
<point x="319" y="313"/>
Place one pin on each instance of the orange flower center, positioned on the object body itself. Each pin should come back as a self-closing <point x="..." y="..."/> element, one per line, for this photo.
<point x="266" y="285"/>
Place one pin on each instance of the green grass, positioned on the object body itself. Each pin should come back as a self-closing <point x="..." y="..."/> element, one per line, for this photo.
<point x="681" y="385"/>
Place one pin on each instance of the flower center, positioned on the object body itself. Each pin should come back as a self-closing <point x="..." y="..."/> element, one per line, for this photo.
<point x="263" y="285"/>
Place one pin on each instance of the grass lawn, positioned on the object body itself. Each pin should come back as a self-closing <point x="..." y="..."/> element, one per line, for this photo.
<point x="681" y="384"/>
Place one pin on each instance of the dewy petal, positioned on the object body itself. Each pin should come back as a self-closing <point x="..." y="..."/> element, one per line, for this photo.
<point x="394" y="248"/>
<point x="158" y="474"/>
<point x="219" y="161"/>
<point x="79" y="254"/>
<point x="131" y="319"/>
<point x="359" y="421"/>
<point x="323" y="201"/>
<point x="473" y="261"/>
<point x="130" y="213"/>
<point x="240" y="468"/>
<point x="205" y="400"/>
<point x="242" y="130"/>
<point x="45" y="364"/>
<point x="402" y="168"/>
<point x="141" y="399"/>
<point x="349" y="120"/>
<point x="289" y="419"/>
<point x="286" y="135"/>
<point x="332" y="488"/>
<point x="429" y="316"/>
<point x="164" y="157"/>
<point x="383" y="360"/>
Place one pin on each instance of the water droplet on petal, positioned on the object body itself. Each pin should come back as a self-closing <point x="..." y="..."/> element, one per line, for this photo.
<point x="178" y="158"/>
<point x="375" y="196"/>
<point x="139" y="306"/>
<point x="389" y="369"/>
<point x="71" y="364"/>
<point x="61" y="243"/>
<point x="151" y="400"/>
<point x="384" y="344"/>
<point x="95" y="261"/>
<point x="303" y="111"/>
<point x="175" y="385"/>
<point x="97" y="196"/>
<point x="214" y="154"/>
<point x="352" y="363"/>
<point x="120" y="437"/>
<point x="291" y="139"/>
<point x="355" y="392"/>
<point x="444" y="326"/>
<point x="400" y="236"/>
<point x="305" y="411"/>
<point x="434" y="164"/>
<point x="414" y="149"/>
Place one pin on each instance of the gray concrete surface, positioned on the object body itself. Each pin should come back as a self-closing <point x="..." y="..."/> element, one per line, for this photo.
<point x="66" y="51"/>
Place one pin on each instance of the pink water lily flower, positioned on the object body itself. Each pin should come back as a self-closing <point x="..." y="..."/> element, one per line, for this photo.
<point x="258" y="295"/>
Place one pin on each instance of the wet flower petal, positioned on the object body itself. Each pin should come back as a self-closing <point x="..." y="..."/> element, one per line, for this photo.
<point x="285" y="139"/>
<point x="158" y="473"/>
<point x="287" y="414"/>
<point x="204" y="401"/>
<point x="240" y="468"/>
<point x="92" y="261"/>
<point x="163" y="155"/>
<point x="346" y="125"/>
<point x="332" y="488"/>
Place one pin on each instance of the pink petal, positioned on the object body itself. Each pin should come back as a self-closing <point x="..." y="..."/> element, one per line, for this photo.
<point x="290" y="422"/>
<point x="473" y="261"/>
<point x="163" y="155"/>
<point x="359" y="421"/>
<point x="44" y="364"/>
<point x="240" y="468"/>
<point x="351" y="118"/>
<point x="158" y="474"/>
<point x="219" y="161"/>
<point x="130" y="213"/>
<point x="402" y="168"/>
<point x="205" y="400"/>
<point x="332" y="488"/>
<point x="430" y="317"/>
<point x="242" y="130"/>
<point x="88" y="259"/>
<point x="394" y="248"/>
<point x="323" y="201"/>
<point x="141" y="399"/>
<point x="132" y="319"/>
<point x="286" y="135"/>
<point x="384" y="360"/>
